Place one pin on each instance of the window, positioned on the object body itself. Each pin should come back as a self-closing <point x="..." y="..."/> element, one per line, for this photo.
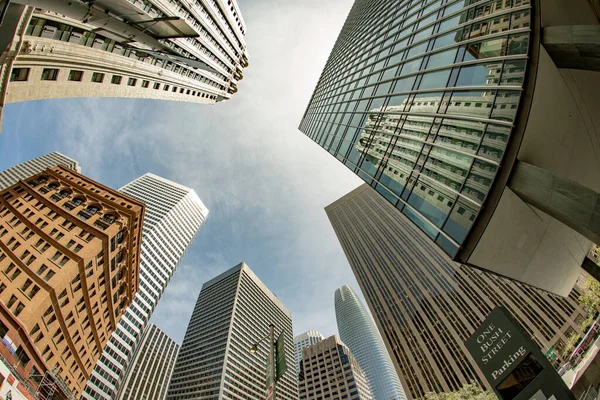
<point x="131" y="82"/>
<point x="166" y="87"/>
<point x="75" y="75"/>
<point x="116" y="79"/>
<point x="145" y="84"/>
<point x="156" y="85"/>
<point x="49" y="74"/>
<point x="19" y="74"/>
<point x="97" y="77"/>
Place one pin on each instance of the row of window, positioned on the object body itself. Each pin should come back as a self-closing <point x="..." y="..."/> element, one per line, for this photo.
<point x="51" y="74"/>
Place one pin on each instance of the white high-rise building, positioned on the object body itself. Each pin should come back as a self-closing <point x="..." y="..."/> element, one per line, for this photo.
<point x="26" y="169"/>
<point x="174" y="214"/>
<point x="182" y="50"/>
<point x="233" y="312"/>
<point x="151" y="368"/>
<point x="358" y="331"/>
<point x="302" y="341"/>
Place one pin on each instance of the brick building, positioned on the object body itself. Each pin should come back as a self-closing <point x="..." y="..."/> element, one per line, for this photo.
<point x="69" y="267"/>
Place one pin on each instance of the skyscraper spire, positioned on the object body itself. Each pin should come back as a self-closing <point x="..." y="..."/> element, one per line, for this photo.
<point x="358" y="331"/>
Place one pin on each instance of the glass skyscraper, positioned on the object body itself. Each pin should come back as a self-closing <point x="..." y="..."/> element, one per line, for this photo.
<point x="462" y="115"/>
<point x="418" y="98"/>
<point x="358" y="331"/>
<point x="174" y="214"/>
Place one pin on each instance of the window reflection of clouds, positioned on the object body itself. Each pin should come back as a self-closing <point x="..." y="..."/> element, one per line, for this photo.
<point x="430" y="141"/>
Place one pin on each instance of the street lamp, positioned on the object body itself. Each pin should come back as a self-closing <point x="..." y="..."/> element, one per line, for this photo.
<point x="270" y="361"/>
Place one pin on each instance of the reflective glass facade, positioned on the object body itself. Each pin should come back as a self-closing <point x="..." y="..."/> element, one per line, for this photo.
<point x="418" y="98"/>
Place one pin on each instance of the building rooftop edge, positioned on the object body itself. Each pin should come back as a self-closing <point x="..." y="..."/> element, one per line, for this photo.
<point x="353" y="192"/>
<point x="244" y="267"/>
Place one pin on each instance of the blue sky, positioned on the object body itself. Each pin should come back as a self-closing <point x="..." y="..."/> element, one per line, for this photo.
<point x="264" y="182"/>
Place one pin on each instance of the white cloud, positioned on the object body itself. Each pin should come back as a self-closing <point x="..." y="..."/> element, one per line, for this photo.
<point x="265" y="183"/>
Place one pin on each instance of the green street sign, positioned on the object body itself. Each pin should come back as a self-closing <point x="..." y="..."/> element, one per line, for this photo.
<point x="280" y="366"/>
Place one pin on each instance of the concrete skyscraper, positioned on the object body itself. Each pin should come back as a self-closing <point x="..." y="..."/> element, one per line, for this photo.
<point x="359" y="333"/>
<point x="302" y="341"/>
<point x="425" y="306"/>
<point x="174" y="214"/>
<point x="233" y="312"/>
<point x="472" y="119"/>
<point x="184" y="50"/>
<point x="70" y="259"/>
<point x="150" y="371"/>
<point x="330" y="371"/>
<point x="24" y="170"/>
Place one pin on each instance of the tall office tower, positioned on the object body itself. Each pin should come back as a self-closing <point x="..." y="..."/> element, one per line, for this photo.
<point x="174" y="214"/>
<point x="460" y="117"/>
<point x="302" y="341"/>
<point x="426" y="306"/>
<point x="233" y="312"/>
<point x="330" y="371"/>
<point x="184" y="50"/>
<point x="69" y="256"/>
<point x="358" y="331"/>
<point x="151" y="368"/>
<point x="29" y="168"/>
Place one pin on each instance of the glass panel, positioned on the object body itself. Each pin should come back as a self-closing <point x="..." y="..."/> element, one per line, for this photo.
<point x="437" y="79"/>
<point x="479" y="75"/>
<point x="460" y="135"/>
<point x="426" y="102"/>
<point x="513" y="72"/>
<point x="442" y="58"/>
<point x="396" y="103"/>
<point x="404" y="85"/>
<point x="447" y="39"/>
<point x="418" y="49"/>
<point x="460" y="220"/>
<point x="446" y="245"/>
<point x="486" y="49"/>
<point x="494" y="142"/>
<point x="431" y="200"/>
<point x="476" y="104"/>
<point x="420" y="222"/>
<point x="506" y="105"/>
<point x="411" y="66"/>
<point x="518" y="44"/>
<point x="479" y="180"/>
<point x="386" y="193"/>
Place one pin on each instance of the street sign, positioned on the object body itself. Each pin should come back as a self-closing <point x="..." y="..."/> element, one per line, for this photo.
<point x="280" y="366"/>
<point x="511" y="362"/>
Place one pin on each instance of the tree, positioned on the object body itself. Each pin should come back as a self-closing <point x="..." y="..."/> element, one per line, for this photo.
<point x="469" y="391"/>
<point x="573" y="340"/>
<point x="590" y="296"/>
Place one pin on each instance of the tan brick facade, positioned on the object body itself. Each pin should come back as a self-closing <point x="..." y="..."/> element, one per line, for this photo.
<point x="69" y="266"/>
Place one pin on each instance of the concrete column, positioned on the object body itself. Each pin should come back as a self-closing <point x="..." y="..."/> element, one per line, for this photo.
<point x="569" y="202"/>
<point x="573" y="46"/>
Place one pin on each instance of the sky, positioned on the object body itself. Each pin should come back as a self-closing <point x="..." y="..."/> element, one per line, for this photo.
<point x="264" y="182"/>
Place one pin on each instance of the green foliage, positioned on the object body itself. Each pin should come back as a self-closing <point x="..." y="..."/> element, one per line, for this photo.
<point x="590" y="296"/>
<point x="470" y="391"/>
<point x="570" y="345"/>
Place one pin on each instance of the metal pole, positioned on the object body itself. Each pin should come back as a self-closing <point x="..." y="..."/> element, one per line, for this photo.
<point x="272" y="350"/>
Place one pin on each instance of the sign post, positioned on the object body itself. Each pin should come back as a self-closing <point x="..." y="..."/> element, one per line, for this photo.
<point x="512" y="363"/>
<point x="270" y="384"/>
